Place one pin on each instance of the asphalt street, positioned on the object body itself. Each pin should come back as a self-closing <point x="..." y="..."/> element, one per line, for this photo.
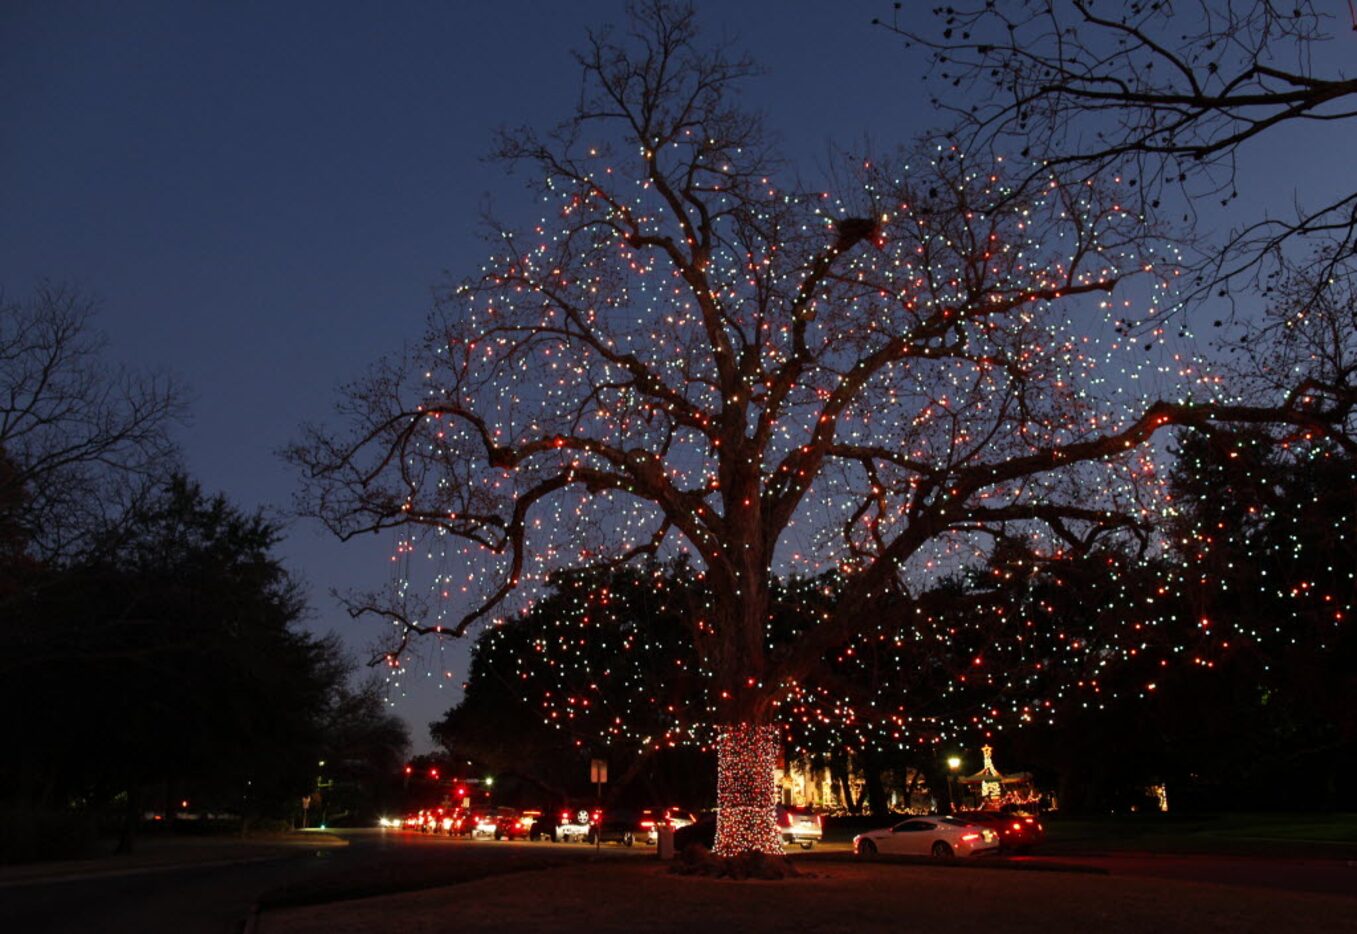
<point x="217" y="898"/>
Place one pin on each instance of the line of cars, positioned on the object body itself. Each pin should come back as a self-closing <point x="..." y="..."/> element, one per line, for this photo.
<point x="567" y="825"/>
<point x="799" y="826"/>
<point x="960" y="835"/>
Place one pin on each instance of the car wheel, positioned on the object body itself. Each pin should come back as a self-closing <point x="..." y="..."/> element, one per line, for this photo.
<point x="866" y="850"/>
<point x="942" y="851"/>
<point x="628" y="839"/>
<point x="807" y="844"/>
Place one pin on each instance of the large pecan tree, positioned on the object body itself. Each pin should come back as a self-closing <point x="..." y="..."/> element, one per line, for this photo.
<point x="689" y="352"/>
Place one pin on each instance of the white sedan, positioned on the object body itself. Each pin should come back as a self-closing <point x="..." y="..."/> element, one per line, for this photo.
<point x="939" y="837"/>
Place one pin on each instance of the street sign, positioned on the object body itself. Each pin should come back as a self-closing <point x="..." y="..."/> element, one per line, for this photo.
<point x="598" y="771"/>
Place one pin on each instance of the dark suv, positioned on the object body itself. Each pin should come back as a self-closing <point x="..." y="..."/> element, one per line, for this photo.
<point x="1018" y="833"/>
<point x="621" y="826"/>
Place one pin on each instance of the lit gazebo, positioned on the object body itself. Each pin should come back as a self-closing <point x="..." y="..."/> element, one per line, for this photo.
<point x="993" y="789"/>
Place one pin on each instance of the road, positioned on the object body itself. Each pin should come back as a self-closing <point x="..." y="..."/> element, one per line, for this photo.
<point x="217" y="898"/>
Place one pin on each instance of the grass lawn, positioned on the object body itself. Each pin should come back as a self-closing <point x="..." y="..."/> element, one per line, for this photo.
<point x="845" y="896"/>
<point x="1240" y="834"/>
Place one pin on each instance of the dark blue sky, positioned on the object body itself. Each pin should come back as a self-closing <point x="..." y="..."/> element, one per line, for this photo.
<point x="263" y="194"/>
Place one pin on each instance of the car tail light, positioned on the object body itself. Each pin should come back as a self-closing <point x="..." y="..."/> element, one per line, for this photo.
<point x="1029" y="820"/>
<point x="1017" y="826"/>
<point x="968" y="837"/>
<point x="647" y="824"/>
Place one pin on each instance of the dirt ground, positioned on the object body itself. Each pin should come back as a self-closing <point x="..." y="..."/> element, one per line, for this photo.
<point x="844" y="897"/>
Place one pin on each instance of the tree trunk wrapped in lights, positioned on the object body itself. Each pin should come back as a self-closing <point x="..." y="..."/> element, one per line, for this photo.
<point x="685" y="354"/>
<point x="746" y="793"/>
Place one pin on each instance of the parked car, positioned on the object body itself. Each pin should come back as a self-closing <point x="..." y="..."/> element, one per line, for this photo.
<point x="573" y="824"/>
<point x="1018" y="833"/>
<point x="939" y="837"/>
<point x="458" y="822"/>
<point x="702" y="830"/>
<point x="515" y="825"/>
<point x="652" y="820"/>
<point x="622" y="826"/>
<point x="544" y="824"/>
<point x="800" y="826"/>
<point x="483" y="824"/>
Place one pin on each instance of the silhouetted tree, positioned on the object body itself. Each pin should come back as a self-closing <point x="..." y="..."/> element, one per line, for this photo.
<point x="170" y="661"/>
<point x="82" y="439"/>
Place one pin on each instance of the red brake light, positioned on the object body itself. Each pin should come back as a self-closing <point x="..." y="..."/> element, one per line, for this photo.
<point x="647" y="824"/>
<point x="1017" y="826"/>
<point x="970" y="836"/>
<point x="1029" y="820"/>
<point x="819" y="820"/>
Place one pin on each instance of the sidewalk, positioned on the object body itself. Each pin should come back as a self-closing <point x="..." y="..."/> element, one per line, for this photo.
<point x="154" y="854"/>
<point x="843" y="897"/>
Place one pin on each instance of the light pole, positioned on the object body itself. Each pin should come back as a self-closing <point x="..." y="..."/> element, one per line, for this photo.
<point x="953" y="764"/>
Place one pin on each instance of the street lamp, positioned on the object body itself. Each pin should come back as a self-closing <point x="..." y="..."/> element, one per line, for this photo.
<point x="953" y="764"/>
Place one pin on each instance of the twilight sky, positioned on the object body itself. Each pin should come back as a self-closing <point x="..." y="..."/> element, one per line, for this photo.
<point x="263" y="194"/>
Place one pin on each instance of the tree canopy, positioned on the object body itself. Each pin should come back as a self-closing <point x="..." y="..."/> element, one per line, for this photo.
<point x="692" y="352"/>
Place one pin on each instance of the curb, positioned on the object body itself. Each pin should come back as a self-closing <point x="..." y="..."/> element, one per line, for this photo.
<point x="59" y="878"/>
<point x="980" y="864"/>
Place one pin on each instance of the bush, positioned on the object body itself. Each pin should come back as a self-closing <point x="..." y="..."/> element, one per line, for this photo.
<point x="32" y="835"/>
